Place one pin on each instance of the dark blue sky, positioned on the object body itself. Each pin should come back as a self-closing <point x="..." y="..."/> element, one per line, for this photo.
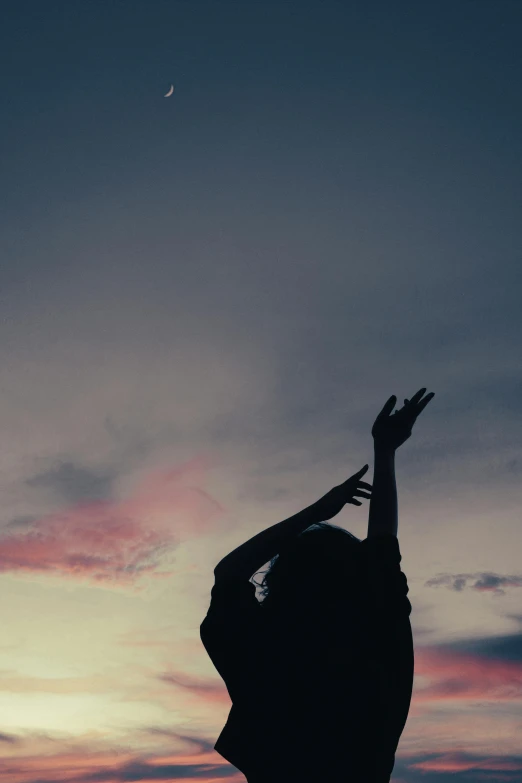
<point x="294" y="127"/>
<point x="411" y="103"/>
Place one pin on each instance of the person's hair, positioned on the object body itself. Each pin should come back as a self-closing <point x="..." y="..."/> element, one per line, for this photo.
<point x="317" y="562"/>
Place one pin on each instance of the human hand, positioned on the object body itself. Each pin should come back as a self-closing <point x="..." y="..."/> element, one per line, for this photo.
<point x="334" y="500"/>
<point x="391" y="431"/>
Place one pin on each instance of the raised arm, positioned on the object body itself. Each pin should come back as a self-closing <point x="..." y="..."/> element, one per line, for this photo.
<point x="383" y="514"/>
<point x="390" y="432"/>
<point x="244" y="561"/>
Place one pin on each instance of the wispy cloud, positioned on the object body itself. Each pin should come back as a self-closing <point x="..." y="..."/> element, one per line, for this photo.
<point x="120" y="765"/>
<point x="113" y="541"/>
<point x="75" y="483"/>
<point x="10" y="739"/>
<point x="467" y="762"/>
<point x="212" y="689"/>
<point x="454" y="676"/>
<point x="483" y="582"/>
<point x="12" y="682"/>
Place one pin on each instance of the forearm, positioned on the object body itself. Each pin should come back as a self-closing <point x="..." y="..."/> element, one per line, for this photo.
<point x="258" y="550"/>
<point x="383" y="514"/>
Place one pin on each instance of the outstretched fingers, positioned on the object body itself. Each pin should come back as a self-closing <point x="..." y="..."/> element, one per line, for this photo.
<point x="416" y="397"/>
<point x="424" y="402"/>
<point x="416" y="405"/>
<point x="355" y="479"/>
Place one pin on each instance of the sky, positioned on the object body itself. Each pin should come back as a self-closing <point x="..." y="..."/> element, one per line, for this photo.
<point x="205" y="300"/>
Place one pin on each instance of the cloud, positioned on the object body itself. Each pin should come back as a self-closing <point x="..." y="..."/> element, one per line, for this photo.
<point x="147" y="771"/>
<point x="467" y="762"/>
<point x="516" y="617"/>
<point x="112" y="541"/>
<point x="11" y="682"/>
<point x="115" y="766"/>
<point x="73" y="482"/>
<point x="10" y="739"/>
<point x="214" y="690"/>
<point x="205" y="746"/>
<point x="24" y="520"/>
<point x="483" y="582"/>
<point x="453" y="675"/>
<point x="507" y="647"/>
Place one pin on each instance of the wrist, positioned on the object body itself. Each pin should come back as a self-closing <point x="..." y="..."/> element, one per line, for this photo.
<point x="384" y="450"/>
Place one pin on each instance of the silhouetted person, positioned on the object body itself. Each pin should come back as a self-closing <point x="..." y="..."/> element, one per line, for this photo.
<point x="320" y="673"/>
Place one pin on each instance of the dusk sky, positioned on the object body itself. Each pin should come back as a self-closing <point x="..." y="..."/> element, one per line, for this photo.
<point x="205" y="300"/>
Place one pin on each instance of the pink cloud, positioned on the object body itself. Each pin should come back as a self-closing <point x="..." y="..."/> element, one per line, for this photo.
<point x="465" y="677"/>
<point x="120" y="765"/>
<point x="116" y="541"/>
<point x="461" y="762"/>
<point x="212" y="690"/>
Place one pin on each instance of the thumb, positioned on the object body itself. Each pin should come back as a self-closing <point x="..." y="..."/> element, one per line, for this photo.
<point x="388" y="407"/>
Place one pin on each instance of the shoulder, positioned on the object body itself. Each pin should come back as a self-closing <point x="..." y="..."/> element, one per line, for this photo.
<point x="231" y="599"/>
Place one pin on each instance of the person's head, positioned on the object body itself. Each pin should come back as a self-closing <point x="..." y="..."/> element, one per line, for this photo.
<point x="316" y="570"/>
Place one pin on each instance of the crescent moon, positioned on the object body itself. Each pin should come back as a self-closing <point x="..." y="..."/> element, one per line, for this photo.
<point x="169" y="93"/>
